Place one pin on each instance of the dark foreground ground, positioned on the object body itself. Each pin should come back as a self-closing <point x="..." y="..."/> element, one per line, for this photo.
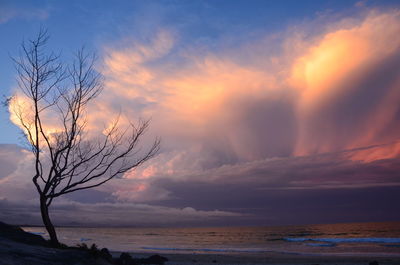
<point x="20" y="248"/>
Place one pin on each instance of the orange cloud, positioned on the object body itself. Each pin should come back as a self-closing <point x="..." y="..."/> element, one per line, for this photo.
<point x="199" y="93"/>
<point x="225" y="104"/>
<point x="340" y="92"/>
<point x="333" y="68"/>
<point x="22" y="114"/>
<point x="342" y="52"/>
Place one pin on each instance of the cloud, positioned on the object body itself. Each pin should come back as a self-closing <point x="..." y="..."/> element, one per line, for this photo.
<point x="115" y="204"/>
<point x="327" y="90"/>
<point x="321" y="171"/>
<point x="7" y="159"/>
<point x="349" y="85"/>
<point x="309" y="92"/>
<point x="254" y="192"/>
<point x="16" y="167"/>
<point x="106" y="214"/>
<point x="320" y="112"/>
<point x="311" y="111"/>
<point x="8" y="12"/>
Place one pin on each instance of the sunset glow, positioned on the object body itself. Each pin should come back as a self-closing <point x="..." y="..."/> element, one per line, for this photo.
<point x="252" y="115"/>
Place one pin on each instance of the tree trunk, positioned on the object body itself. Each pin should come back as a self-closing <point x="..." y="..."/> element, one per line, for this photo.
<point x="44" y="209"/>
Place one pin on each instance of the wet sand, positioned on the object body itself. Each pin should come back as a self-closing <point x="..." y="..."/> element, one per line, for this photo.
<point x="271" y="259"/>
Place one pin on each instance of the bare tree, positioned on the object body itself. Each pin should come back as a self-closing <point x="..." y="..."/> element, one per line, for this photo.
<point x="66" y="158"/>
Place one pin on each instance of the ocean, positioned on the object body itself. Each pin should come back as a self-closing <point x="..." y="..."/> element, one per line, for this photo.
<point x="367" y="239"/>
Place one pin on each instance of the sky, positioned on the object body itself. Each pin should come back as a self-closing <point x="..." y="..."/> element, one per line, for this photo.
<point x="269" y="112"/>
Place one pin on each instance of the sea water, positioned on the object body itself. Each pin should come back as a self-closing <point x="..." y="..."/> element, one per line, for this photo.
<point x="367" y="239"/>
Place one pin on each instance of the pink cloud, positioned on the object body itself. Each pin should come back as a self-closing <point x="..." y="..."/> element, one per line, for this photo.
<point x="333" y="89"/>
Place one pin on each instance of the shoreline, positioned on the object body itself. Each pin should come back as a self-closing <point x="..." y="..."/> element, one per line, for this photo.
<point x="267" y="258"/>
<point x="166" y="251"/>
<point x="20" y="247"/>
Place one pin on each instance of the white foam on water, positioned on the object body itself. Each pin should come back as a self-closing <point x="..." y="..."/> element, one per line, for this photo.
<point x="346" y="240"/>
<point x="321" y="244"/>
<point x="37" y="233"/>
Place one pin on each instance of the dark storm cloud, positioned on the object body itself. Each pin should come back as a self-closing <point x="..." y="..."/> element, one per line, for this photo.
<point x="110" y="214"/>
<point x="297" y="190"/>
<point x="319" y="188"/>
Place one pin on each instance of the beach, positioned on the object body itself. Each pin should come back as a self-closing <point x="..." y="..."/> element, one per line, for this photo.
<point x="353" y="244"/>
<point x="342" y="239"/>
<point x="20" y="247"/>
<point x="14" y="253"/>
<point x="272" y="259"/>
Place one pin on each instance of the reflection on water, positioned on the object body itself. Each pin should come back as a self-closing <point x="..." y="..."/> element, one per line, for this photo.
<point x="341" y="239"/>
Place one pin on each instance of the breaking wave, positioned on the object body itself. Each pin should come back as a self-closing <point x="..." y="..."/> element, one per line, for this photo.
<point x="346" y="240"/>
